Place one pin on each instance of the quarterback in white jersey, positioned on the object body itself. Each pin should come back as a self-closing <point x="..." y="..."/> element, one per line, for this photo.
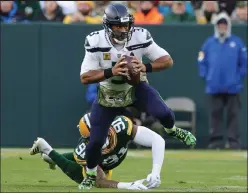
<point x="104" y="63"/>
<point x="101" y="54"/>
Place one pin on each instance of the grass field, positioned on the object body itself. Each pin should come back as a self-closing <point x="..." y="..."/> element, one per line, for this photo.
<point x="183" y="171"/>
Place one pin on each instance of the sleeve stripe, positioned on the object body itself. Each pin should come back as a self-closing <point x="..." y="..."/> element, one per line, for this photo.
<point x="98" y="49"/>
<point x="137" y="46"/>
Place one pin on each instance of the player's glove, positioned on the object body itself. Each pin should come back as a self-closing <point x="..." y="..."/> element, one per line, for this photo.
<point x="138" y="185"/>
<point x="153" y="180"/>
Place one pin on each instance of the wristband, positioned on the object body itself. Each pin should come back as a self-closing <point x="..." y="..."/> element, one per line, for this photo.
<point x="108" y="73"/>
<point x="148" y="67"/>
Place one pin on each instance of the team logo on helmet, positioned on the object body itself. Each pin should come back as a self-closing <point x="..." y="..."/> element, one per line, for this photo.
<point x="84" y="126"/>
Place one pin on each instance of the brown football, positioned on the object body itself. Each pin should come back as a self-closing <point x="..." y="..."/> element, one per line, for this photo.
<point x="134" y="77"/>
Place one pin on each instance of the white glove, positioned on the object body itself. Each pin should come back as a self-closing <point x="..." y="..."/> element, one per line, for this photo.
<point x="153" y="180"/>
<point x="138" y="185"/>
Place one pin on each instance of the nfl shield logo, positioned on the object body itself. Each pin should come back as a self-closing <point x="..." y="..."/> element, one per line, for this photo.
<point x="106" y="56"/>
<point x="118" y="55"/>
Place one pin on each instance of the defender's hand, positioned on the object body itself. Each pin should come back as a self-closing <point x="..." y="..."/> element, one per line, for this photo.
<point x="137" y="185"/>
<point x="120" y="67"/>
<point x="153" y="180"/>
<point x="138" y="65"/>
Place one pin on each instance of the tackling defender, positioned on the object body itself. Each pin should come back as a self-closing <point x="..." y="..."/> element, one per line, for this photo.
<point x="103" y="62"/>
<point x="114" y="151"/>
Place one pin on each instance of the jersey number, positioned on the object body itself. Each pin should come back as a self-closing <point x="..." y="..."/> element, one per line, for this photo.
<point x="118" y="125"/>
<point x="81" y="150"/>
<point x="114" y="158"/>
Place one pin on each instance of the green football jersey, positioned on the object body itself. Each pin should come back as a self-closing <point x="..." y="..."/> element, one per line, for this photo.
<point x="115" y="149"/>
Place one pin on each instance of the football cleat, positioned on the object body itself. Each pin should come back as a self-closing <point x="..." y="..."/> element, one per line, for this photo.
<point x="184" y="136"/>
<point x="40" y="146"/>
<point x="89" y="182"/>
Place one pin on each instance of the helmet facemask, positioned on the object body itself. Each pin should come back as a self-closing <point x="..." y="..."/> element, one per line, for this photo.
<point x="119" y="36"/>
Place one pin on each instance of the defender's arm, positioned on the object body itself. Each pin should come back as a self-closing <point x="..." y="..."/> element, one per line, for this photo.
<point x="102" y="182"/>
<point x="148" y="138"/>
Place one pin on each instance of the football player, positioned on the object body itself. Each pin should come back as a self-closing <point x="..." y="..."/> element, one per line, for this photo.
<point x="114" y="151"/>
<point x="104" y="63"/>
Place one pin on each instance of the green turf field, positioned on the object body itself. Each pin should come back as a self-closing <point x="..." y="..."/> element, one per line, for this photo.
<point x="197" y="171"/>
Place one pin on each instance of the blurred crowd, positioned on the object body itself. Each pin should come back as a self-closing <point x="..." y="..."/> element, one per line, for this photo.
<point x="145" y="12"/>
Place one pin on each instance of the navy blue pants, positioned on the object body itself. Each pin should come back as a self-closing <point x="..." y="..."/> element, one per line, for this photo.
<point x="148" y="100"/>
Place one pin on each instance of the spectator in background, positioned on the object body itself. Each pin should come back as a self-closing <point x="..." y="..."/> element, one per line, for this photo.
<point x="28" y="9"/>
<point x="84" y="14"/>
<point x="239" y="16"/>
<point x="222" y="64"/>
<point x="120" y="2"/>
<point x="165" y="7"/>
<point x="178" y="14"/>
<point x="68" y="7"/>
<point x="196" y="4"/>
<point x="227" y="6"/>
<point x="50" y="13"/>
<point x="9" y="12"/>
<point x="100" y="6"/>
<point x="148" y="14"/>
<point x="210" y="10"/>
<point x="200" y="18"/>
<point x="133" y="6"/>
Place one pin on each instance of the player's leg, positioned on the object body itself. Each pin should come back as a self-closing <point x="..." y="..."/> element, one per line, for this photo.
<point x="52" y="164"/>
<point x="216" y="107"/>
<point x="72" y="169"/>
<point x="149" y="100"/>
<point x="233" y="108"/>
<point x="69" y="156"/>
<point x="100" y="120"/>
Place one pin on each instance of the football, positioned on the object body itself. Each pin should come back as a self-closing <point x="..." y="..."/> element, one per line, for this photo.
<point x="134" y="78"/>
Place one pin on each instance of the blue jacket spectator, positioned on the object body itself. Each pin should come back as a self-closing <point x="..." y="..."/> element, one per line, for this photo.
<point x="91" y="93"/>
<point x="223" y="61"/>
<point x="223" y="64"/>
<point x="9" y="12"/>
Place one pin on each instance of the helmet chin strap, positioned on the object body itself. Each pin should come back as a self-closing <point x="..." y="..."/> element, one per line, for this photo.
<point x="119" y="41"/>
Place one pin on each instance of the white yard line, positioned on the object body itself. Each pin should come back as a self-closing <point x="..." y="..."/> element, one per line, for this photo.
<point x="237" y="178"/>
<point x="177" y="154"/>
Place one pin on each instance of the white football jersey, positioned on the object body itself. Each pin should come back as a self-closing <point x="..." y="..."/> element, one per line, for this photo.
<point x="101" y="54"/>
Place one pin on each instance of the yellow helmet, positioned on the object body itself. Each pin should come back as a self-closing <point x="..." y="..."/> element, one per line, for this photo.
<point x="84" y="125"/>
<point x="84" y="130"/>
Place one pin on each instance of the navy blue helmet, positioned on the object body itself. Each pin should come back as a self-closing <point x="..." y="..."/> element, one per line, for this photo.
<point x="118" y="14"/>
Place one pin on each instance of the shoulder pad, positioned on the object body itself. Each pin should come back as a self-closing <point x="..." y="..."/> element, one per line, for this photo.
<point x="142" y="35"/>
<point x="92" y="39"/>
